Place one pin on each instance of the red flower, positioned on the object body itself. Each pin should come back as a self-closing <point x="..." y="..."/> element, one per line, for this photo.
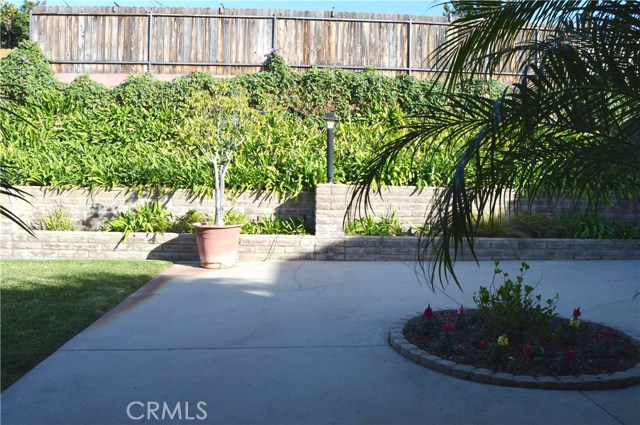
<point x="461" y="311"/>
<point x="527" y="351"/>
<point x="570" y="355"/>
<point x="576" y="313"/>
<point x="607" y="334"/>
<point x="448" y="327"/>
<point x="483" y="344"/>
<point x="428" y="313"/>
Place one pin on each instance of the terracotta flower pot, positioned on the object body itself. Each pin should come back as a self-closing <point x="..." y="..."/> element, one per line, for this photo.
<point x="217" y="245"/>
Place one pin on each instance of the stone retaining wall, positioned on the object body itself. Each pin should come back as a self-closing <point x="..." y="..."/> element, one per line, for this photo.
<point x="326" y="207"/>
<point x="90" y="209"/>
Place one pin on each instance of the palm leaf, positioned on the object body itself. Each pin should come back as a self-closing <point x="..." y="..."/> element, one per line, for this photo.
<point x="568" y="129"/>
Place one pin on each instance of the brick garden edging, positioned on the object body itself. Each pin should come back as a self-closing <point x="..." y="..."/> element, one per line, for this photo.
<point x="410" y="351"/>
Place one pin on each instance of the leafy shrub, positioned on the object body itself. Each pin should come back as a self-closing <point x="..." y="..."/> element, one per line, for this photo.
<point x="589" y="226"/>
<point x="568" y="226"/>
<point x="370" y="226"/>
<point x="131" y="136"/>
<point x="57" y="220"/>
<point x="150" y="218"/>
<point x="183" y="223"/>
<point x="88" y="93"/>
<point x="534" y="225"/>
<point x="235" y="218"/>
<point x="182" y="88"/>
<point x="512" y="309"/>
<point x="277" y="226"/>
<point x="139" y="90"/>
<point x="25" y="75"/>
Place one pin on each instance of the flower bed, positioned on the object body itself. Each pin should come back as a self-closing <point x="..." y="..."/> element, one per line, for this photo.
<point x="516" y="338"/>
<point x="590" y="349"/>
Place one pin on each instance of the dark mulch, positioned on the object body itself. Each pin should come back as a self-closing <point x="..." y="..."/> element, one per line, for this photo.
<point x="591" y="349"/>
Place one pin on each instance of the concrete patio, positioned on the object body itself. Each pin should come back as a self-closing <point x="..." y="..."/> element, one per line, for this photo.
<point x="306" y="343"/>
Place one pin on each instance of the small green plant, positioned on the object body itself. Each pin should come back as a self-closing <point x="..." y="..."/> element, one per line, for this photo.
<point x="370" y="226"/>
<point x="58" y="220"/>
<point x="233" y="218"/>
<point x="494" y="353"/>
<point x="512" y="310"/>
<point x="183" y="223"/>
<point x="150" y="218"/>
<point x="277" y="226"/>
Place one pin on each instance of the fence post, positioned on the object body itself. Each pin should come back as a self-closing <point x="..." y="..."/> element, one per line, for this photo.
<point x="409" y="47"/>
<point x="274" y="34"/>
<point x="31" y="25"/>
<point x="149" y="40"/>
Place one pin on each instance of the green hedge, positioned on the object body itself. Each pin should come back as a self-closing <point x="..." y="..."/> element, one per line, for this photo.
<point x="83" y="134"/>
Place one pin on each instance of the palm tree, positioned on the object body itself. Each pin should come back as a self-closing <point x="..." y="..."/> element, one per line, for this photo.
<point x="569" y="128"/>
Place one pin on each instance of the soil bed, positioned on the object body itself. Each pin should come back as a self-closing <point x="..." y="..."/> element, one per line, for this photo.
<point x="590" y="349"/>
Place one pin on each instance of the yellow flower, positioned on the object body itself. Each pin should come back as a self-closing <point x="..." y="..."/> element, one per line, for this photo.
<point x="503" y="341"/>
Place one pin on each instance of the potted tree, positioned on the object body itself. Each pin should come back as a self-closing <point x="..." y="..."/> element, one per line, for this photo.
<point x="219" y="121"/>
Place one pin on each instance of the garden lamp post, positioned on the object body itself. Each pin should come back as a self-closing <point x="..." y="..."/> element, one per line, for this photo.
<point x="330" y="120"/>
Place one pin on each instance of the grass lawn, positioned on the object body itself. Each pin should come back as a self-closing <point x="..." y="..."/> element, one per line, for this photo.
<point x="46" y="303"/>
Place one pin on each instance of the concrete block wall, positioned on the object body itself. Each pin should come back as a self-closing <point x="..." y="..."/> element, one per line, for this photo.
<point x="622" y="210"/>
<point x="90" y="209"/>
<point x="329" y="242"/>
<point x="408" y="203"/>
<point x="182" y="247"/>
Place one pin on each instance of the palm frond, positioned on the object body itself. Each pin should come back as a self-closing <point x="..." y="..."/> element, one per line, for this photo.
<point x="6" y="171"/>
<point x="7" y="189"/>
<point x="568" y="129"/>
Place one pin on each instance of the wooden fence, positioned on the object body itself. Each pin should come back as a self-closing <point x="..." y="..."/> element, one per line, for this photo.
<point x="232" y="41"/>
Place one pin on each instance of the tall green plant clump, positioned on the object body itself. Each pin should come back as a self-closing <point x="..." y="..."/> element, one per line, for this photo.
<point x="86" y="135"/>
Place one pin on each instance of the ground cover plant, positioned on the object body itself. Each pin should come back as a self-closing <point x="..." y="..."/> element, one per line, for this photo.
<point x="46" y="303"/>
<point x="513" y="330"/>
<point x="370" y="226"/>
<point x="151" y="217"/>
<point x="85" y="135"/>
<point x="277" y="226"/>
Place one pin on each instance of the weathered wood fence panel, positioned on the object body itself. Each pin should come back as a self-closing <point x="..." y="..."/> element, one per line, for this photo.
<point x="226" y="42"/>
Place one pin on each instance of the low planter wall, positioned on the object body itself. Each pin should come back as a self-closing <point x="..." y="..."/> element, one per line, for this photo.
<point x="182" y="247"/>
<point x="326" y="208"/>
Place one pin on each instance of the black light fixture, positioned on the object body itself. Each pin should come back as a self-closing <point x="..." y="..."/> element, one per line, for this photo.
<point x="330" y="120"/>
